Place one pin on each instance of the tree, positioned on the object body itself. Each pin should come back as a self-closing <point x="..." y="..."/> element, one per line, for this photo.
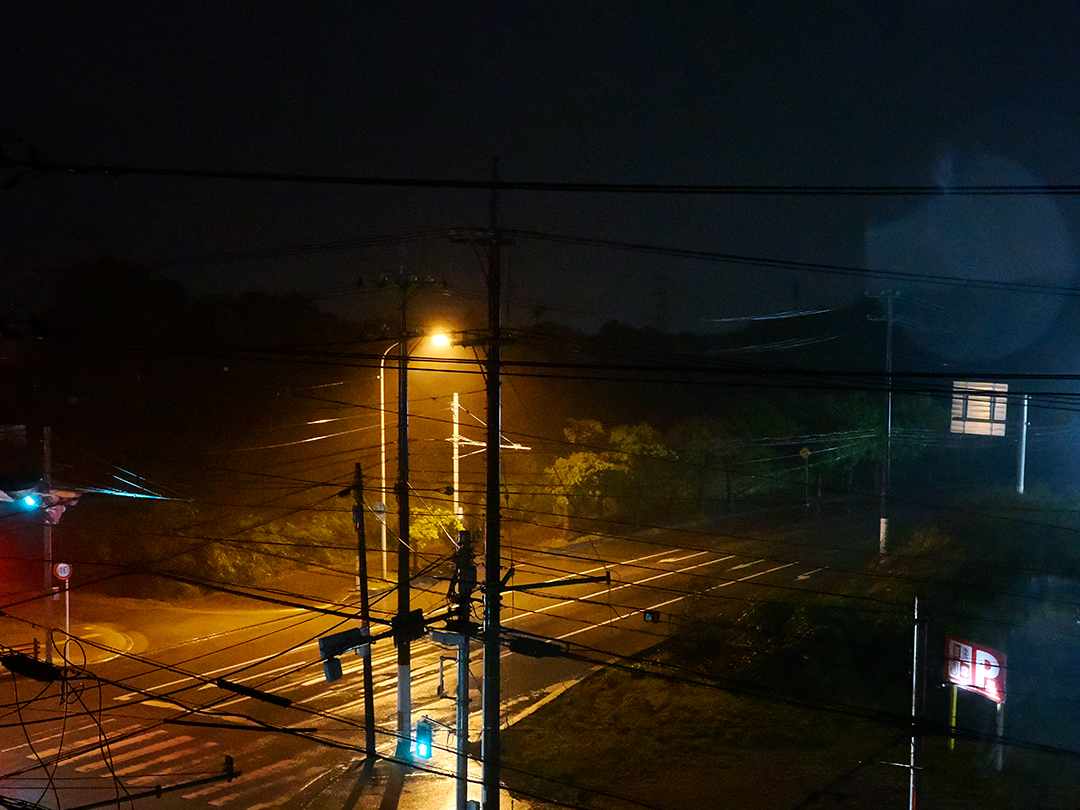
<point x="612" y="474"/>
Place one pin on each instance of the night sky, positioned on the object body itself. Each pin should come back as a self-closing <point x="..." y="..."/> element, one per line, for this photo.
<point x="718" y="93"/>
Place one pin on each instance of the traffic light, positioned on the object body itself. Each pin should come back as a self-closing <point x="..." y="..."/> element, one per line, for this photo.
<point x="652" y="616"/>
<point x="423" y="739"/>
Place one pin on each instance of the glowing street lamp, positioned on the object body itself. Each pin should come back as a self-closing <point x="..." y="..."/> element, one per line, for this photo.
<point x="381" y="507"/>
<point x="440" y="339"/>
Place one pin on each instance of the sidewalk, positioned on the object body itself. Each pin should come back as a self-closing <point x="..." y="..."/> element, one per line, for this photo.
<point x="390" y="786"/>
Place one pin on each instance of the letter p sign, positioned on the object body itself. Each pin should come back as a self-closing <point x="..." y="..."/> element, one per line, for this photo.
<point x="975" y="668"/>
<point x="986" y="669"/>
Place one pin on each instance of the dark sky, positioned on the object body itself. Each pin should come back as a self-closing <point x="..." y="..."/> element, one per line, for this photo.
<point x="843" y="93"/>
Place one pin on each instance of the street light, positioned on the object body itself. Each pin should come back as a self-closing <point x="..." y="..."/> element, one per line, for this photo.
<point x="406" y="618"/>
<point x="439" y="339"/>
<point x="382" y="447"/>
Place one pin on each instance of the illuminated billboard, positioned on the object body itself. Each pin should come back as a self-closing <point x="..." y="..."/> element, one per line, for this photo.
<point x="978" y="408"/>
<point x="975" y="668"/>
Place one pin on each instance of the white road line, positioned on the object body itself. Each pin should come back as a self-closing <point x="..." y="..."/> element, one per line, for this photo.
<point x="680" y="559"/>
<point x="115" y="759"/>
<point x="640" y="582"/>
<point x="676" y="599"/>
<point x="198" y="682"/>
<point x="745" y="565"/>
<point x="68" y="733"/>
<point x="185" y="755"/>
<point x="304" y="778"/>
<point x="252" y="778"/>
<point x="113" y="746"/>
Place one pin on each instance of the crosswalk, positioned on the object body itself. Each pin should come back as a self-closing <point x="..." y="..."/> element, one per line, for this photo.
<point x="130" y="747"/>
<point x="117" y="756"/>
<point x="136" y="760"/>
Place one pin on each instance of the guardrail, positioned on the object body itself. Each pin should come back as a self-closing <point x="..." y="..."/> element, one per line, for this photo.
<point x="30" y="648"/>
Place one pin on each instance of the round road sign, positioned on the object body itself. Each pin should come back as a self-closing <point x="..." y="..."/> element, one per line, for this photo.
<point x="62" y="570"/>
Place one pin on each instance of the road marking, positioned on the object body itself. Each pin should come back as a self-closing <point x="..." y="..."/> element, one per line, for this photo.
<point x="67" y="733"/>
<point x="640" y="582"/>
<point x="808" y="573"/>
<point x="673" y="601"/>
<point x="116" y="759"/>
<point x="96" y="751"/>
<point x="745" y="565"/>
<point x="610" y="565"/>
<point x="680" y="559"/>
<point x="185" y="754"/>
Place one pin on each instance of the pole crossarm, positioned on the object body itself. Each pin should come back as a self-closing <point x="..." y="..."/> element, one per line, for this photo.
<point x="532" y="586"/>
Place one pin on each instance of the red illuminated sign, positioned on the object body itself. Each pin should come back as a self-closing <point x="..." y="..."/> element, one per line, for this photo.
<point x="975" y="668"/>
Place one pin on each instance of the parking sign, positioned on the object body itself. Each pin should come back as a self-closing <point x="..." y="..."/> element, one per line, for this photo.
<point x="975" y="668"/>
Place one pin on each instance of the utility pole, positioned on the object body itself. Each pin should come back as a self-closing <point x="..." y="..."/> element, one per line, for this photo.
<point x="886" y="472"/>
<point x="50" y="589"/>
<point x="459" y="632"/>
<point x="407" y="625"/>
<point x="1021" y="459"/>
<point x="404" y="655"/>
<point x="365" y="615"/>
<point x="915" y="663"/>
<point x="492" y="749"/>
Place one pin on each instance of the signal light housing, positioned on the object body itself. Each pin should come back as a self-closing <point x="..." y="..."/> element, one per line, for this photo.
<point x="423" y="739"/>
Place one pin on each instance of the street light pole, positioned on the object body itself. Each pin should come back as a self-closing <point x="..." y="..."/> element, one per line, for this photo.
<point x="404" y="655"/>
<point x="456" y="440"/>
<point x="382" y="448"/>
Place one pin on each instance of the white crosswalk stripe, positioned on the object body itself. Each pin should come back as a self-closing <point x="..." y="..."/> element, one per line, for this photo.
<point x="130" y="755"/>
<point x="185" y="755"/>
<point x="99" y="750"/>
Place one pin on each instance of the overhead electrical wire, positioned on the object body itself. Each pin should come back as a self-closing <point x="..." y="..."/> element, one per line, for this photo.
<point x="32" y="162"/>
<point x="769" y="190"/>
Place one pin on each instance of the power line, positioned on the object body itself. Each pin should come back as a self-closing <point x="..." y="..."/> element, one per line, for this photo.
<point x="35" y="165"/>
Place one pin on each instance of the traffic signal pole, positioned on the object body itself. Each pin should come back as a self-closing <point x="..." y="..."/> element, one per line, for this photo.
<point x="459" y="632"/>
<point x="404" y="665"/>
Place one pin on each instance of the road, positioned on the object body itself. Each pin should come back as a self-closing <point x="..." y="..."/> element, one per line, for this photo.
<point x="146" y="709"/>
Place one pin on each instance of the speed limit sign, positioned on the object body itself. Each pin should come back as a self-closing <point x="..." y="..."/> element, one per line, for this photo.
<point x="62" y="570"/>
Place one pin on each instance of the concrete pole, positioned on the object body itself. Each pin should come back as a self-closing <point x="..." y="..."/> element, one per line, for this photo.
<point x="382" y="453"/>
<point x="912" y="770"/>
<point x="456" y="441"/>
<point x="1021" y="460"/>
<point x="404" y="656"/>
<point x="463" y="722"/>
<point x="492" y="748"/>
<point x="47" y="542"/>
<point x="365" y="615"/>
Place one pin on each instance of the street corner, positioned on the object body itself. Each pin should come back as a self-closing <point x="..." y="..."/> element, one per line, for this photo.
<point x="96" y="643"/>
<point x="20" y="636"/>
